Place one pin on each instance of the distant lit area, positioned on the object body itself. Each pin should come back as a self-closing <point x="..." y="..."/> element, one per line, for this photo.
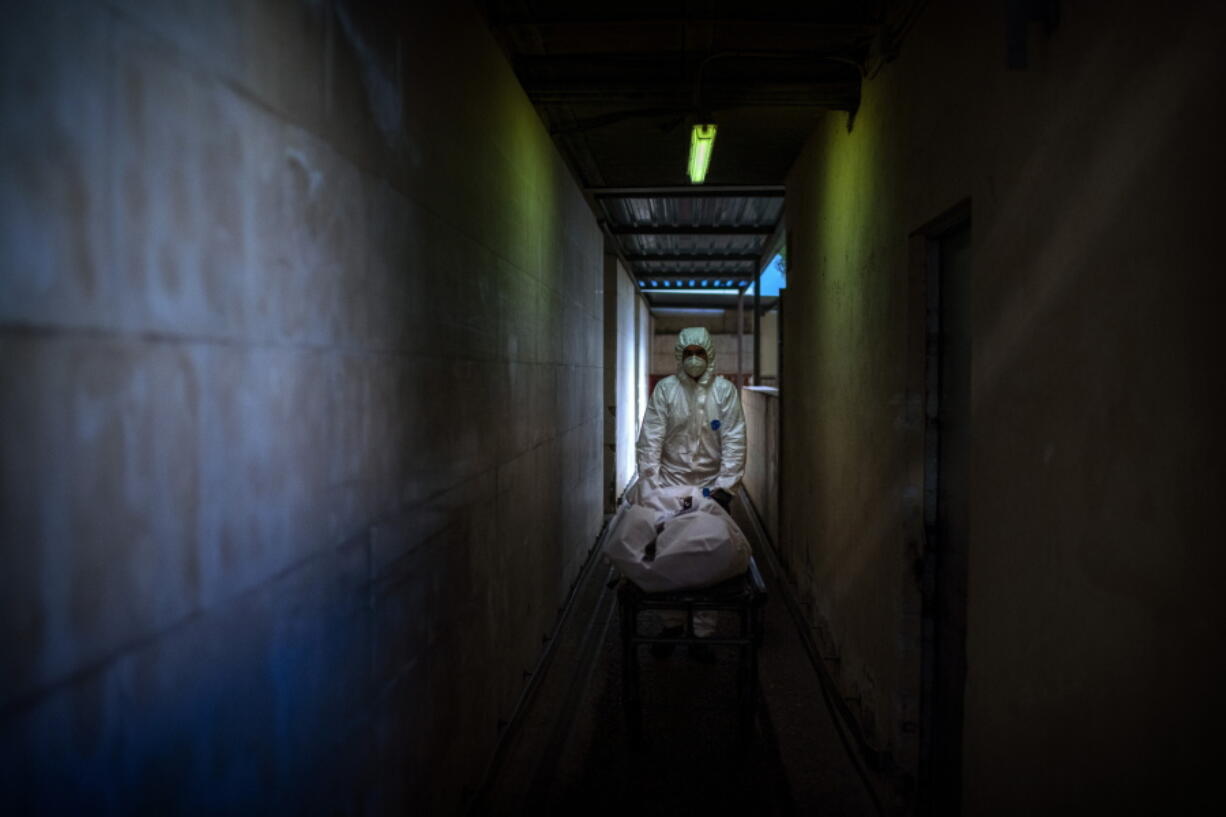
<point x="774" y="277"/>
<point x="706" y="284"/>
<point x="681" y="291"/>
<point x="689" y="310"/>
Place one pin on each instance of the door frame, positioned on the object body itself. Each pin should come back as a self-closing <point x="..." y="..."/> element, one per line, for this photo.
<point x="937" y="790"/>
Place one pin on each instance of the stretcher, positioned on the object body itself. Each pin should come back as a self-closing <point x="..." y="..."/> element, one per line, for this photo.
<point x="744" y="596"/>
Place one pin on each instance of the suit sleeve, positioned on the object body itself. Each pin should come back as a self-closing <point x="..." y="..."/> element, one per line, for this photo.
<point x="732" y="440"/>
<point x="651" y="435"/>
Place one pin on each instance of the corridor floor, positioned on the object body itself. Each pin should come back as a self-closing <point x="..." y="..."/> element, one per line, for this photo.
<point x="570" y="753"/>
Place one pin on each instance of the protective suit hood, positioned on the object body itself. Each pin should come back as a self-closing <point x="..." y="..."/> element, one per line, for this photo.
<point x="695" y="336"/>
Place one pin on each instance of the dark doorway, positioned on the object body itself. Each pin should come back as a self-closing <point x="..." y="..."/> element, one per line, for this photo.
<point x="946" y="516"/>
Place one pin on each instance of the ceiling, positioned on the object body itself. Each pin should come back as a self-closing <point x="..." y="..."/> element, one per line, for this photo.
<point x="618" y="86"/>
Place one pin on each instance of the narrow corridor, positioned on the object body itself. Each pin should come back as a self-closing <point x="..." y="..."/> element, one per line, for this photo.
<point x="328" y="329"/>
<point x="572" y="753"/>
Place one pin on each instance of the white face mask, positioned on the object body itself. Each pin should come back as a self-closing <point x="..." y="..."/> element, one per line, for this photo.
<point x="694" y="366"/>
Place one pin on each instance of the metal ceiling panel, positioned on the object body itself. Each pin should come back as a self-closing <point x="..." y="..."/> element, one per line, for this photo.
<point x="739" y="211"/>
<point x="702" y="299"/>
<point x="695" y="245"/>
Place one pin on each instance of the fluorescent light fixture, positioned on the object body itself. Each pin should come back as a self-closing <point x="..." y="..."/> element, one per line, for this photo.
<point x="702" y="141"/>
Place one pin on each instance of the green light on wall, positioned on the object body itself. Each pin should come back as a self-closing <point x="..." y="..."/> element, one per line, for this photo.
<point x="702" y="142"/>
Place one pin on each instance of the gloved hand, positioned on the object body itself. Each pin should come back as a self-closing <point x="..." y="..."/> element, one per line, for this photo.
<point x="722" y="497"/>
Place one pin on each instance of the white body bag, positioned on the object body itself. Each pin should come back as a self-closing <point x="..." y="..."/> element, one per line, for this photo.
<point x="676" y="539"/>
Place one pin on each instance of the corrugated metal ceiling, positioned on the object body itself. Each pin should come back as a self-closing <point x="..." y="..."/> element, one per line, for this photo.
<point x="693" y="239"/>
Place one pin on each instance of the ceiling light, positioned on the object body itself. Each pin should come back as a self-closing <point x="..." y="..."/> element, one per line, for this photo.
<point x="702" y="141"/>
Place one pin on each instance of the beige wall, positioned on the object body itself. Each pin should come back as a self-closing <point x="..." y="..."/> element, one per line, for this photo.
<point x="718" y="321"/>
<point x="1095" y="613"/>
<point x="721" y="323"/>
<point x="300" y="334"/>
<point x="664" y="359"/>
<point x="768" y="365"/>
<point x="761" y="407"/>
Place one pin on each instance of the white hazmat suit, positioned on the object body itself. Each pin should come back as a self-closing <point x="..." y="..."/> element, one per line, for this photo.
<point x="693" y="434"/>
<point x="693" y="431"/>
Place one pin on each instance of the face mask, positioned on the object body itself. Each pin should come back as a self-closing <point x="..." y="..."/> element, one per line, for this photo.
<point x="695" y="366"/>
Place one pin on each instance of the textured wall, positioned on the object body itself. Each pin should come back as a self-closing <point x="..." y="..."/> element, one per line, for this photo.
<point x="644" y="329"/>
<point x="769" y="337"/>
<point x="300" y="323"/>
<point x="1095" y="474"/>
<point x="718" y="321"/>
<point x="664" y="360"/>
<point x="624" y="376"/>
<point x="629" y="376"/>
<point x="761" y="406"/>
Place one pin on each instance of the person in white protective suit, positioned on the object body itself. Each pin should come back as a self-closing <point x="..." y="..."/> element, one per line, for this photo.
<point x="693" y="433"/>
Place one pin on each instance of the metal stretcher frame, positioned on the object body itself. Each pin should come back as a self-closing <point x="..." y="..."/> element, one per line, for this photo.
<point x="744" y="595"/>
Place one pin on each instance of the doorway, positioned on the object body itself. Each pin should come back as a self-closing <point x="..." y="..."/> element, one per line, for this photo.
<point x="947" y="414"/>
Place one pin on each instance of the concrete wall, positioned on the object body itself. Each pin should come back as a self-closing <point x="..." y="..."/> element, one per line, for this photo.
<point x="718" y="321"/>
<point x="768" y="364"/>
<point x="761" y="407"/>
<point x="300" y="323"/>
<point x="664" y="360"/>
<point x="625" y="376"/>
<point x="644" y="329"/>
<point x="1095" y="613"/>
